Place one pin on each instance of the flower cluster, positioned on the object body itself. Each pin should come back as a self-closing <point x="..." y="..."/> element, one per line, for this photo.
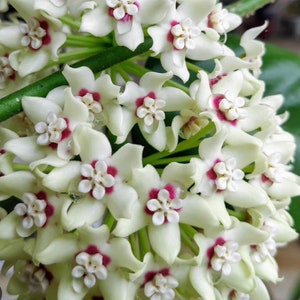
<point x="132" y="183"/>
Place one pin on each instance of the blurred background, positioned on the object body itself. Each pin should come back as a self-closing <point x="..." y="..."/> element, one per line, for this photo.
<point x="283" y="31"/>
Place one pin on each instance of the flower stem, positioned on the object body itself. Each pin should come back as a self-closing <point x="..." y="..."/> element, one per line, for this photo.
<point x="86" y="39"/>
<point x="190" y="143"/>
<point x="109" y="220"/>
<point x="134" y="245"/>
<point x="187" y="233"/>
<point x="70" y="22"/>
<point x="75" y="55"/>
<point x="238" y="214"/>
<point x="193" y="67"/>
<point x="144" y="242"/>
<point x="20" y="167"/>
<point x="165" y="161"/>
<point x="11" y="104"/>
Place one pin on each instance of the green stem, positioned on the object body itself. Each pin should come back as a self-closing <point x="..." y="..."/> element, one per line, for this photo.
<point x="70" y="22"/>
<point x="118" y="69"/>
<point x="80" y="44"/>
<point x="134" y="245"/>
<point x="165" y="161"/>
<point x="109" y="220"/>
<point x="238" y="214"/>
<point x="75" y="55"/>
<point x="247" y="7"/>
<point x="11" y="104"/>
<point x="193" y="67"/>
<point x="184" y="145"/>
<point x="187" y="238"/>
<point x="25" y="167"/>
<point x="143" y="242"/>
<point x="20" y="167"/>
<point x="85" y="39"/>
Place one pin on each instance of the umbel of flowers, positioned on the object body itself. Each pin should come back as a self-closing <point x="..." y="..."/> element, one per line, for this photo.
<point x="130" y="183"/>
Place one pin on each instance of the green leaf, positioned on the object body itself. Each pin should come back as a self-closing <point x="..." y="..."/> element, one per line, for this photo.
<point x="247" y="7"/>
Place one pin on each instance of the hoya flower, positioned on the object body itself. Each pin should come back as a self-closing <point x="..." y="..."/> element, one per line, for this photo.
<point x="7" y="73"/>
<point x="276" y="178"/>
<point x="146" y="104"/>
<point x="221" y="20"/>
<point x="99" y="95"/>
<point x="259" y="292"/>
<point x="6" y="158"/>
<point x="254" y="49"/>
<point x="161" y="280"/>
<point x="163" y="203"/>
<point x="101" y="177"/>
<point x="9" y="77"/>
<point x="34" y="41"/>
<point x="125" y="18"/>
<point x="30" y="280"/>
<point x="224" y="254"/>
<point x="179" y="36"/>
<point x="223" y="259"/>
<point x="35" y="213"/>
<point x="225" y="104"/>
<point x="219" y="170"/>
<point x="185" y="125"/>
<point x="93" y="262"/>
<point x="32" y="210"/>
<point x="52" y="142"/>
<point x="277" y="223"/>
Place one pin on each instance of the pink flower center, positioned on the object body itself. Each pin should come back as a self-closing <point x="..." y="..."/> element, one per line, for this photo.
<point x="96" y="95"/>
<point x="6" y="70"/>
<point x="93" y="249"/>
<point x="35" y="210"/>
<point x="170" y="36"/>
<point x="123" y="10"/>
<point x="163" y="205"/>
<point x="182" y="34"/>
<point x="225" y="174"/>
<point x="211" y="250"/>
<point x="211" y="174"/>
<point x="140" y="101"/>
<point x="49" y="210"/>
<point x="35" y="34"/>
<point x="97" y="179"/>
<point x="220" y="114"/>
<point x="151" y="274"/>
<point x="150" y="110"/>
<point x="229" y="108"/>
<point x="64" y="135"/>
